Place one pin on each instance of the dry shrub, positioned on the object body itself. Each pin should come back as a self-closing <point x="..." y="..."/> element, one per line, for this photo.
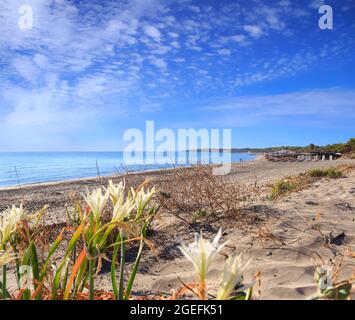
<point x="197" y="194"/>
<point x="265" y="235"/>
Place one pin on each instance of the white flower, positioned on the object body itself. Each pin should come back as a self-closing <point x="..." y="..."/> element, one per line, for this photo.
<point x="96" y="201"/>
<point x="116" y="191"/>
<point x="142" y="198"/>
<point x="8" y="220"/>
<point x="122" y="210"/>
<point x="232" y="278"/>
<point x="202" y="253"/>
<point x="6" y="257"/>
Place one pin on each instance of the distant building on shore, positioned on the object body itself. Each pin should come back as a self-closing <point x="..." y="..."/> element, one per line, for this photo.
<point x="289" y="156"/>
<point x="318" y="155"/>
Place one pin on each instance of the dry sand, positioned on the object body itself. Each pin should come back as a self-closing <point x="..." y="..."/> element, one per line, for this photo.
<point x="300" y="224"/>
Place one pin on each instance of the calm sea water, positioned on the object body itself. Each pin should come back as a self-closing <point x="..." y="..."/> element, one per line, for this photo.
<point x="34" y="167"/>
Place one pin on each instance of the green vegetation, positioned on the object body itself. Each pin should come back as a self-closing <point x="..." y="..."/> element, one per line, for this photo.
<point x="345" y="148"/>
<point x="348" y="147"/>
<point x="297" y="183"/>
<point x="284" y="186"/>
<point x="331" y="173"/>
<point x="21" y="242"/>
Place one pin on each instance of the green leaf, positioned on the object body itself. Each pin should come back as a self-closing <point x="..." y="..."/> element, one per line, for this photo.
<point x="35" y="268"/>
<point x="113" y="266"/>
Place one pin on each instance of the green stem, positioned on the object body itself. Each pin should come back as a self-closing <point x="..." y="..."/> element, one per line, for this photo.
<point x="91" y="231"/>
<point x="122" y="263"/>
<point x="113" y="267"/>
<point x="3" y="285"/>
<point x="137" y="262"/>
<point x="74" y="260"/>
<point x="18" y="273"/>
<point x="35" y="269"/>
<point x="91" y="260"/>
<point x="249" y="294"/>
<point x="14" y="248"/>
<point x="4" y="292"/>
<point x="134" y="271"/>
<point x="91" y="278"/>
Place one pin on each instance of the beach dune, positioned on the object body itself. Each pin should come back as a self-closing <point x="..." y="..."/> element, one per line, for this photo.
<point x="304" y="228"/>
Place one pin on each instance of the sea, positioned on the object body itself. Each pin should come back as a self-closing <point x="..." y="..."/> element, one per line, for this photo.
<point x="21" y="168"/>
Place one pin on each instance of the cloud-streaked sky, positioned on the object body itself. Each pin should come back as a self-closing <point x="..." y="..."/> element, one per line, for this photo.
<point x="88" y="70"/>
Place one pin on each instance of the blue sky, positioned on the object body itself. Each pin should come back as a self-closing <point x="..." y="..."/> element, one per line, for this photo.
<point x="89" y="70"/>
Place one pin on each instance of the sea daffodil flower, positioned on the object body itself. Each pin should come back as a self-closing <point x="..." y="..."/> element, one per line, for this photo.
<point x="142" y="198"/>
<point x="8" y="220"/>
<point x="116" y="191"/>
<point x="232" y="278"/>
<point x="122" y="210"/>
<point x="96" y="201"/>
<point x="6" y="257"/>
<point x="202" y="253"/>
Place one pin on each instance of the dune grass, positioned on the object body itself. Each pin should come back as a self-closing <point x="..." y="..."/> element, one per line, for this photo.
<point x="331" y="173"/>
<point x="297" y="183"/>
<point x="289" y="184"/>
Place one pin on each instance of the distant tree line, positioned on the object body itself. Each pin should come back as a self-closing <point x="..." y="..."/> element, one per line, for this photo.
<point x="344" y="148"/>
<point x="348" y="147"/>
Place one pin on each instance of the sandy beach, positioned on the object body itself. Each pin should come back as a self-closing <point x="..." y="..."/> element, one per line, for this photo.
<point x="291" y="234"/>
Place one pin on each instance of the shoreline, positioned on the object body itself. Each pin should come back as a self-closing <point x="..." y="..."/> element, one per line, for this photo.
<point x="265" y="171"/>
<point x="110" y="176"/>
<point x="95" y="179"/>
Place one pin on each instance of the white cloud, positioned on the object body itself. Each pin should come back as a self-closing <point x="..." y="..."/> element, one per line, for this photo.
<point x="158" y="62"/>
<point x="327" y="105"/>
<point x="152" y="32"/>
<point x="25" y="68"/>
<point x="41" y="61"/>
<point x="254" y="30"/>
<point x="285" y="3"/>
<point x="240" y="38"/>
<point x="279" y="66"/>
<point x="152" y="107"/>
<point x="175" y="44"/>
<point x="195" y="9"/>
<point x="224" y="52"/>
<point x="315" y="4"/>
<point x="85" y="60"/>
<point x="161" y="50"/>
<point x="173" y="34"/>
